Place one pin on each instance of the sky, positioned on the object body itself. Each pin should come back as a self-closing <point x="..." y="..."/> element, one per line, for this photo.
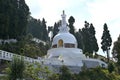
<point x="96" y="12"/>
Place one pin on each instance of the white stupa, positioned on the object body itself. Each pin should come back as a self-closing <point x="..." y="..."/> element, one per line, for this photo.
<point x="64" y="46"/>
<point x="64" y="51"/>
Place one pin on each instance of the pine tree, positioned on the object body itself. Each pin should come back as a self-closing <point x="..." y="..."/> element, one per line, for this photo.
<point x="86" y="39"/>
<point x="16" y="69"/>
<point x="106" y="41"/>
<point x="94" y="44"/>
<point x="23" y="13"/>
<point x="79" y="38"/>
<point x="116" y="50"/>
<point x="89" y="41"/>
<point x="44" y="30"/>
<point x="71" y="21"/>
<point x="35" y="27"/>
<point x="4" y="18"/>
<point x="13" y="18"/>
<point x="65" y="73"/>
<point x="55" y="28"/>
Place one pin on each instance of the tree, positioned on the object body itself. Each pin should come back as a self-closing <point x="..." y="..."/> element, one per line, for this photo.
<point x="16" y="69"/>
<point x="35" y="27"/>
<point x="71" y="21"/>
<point x="79" y="38"/>
<point x="44" y="29"/>
<point x="54" y="77"/>
<point x="13" y="18"/>
<point x="65" y="73"/>
<point x="55" y="28"/>
<point x="93" y="40"/>
<point x="87" y="49"/>
<point x="106" y="41"/>
<point x="36" y="71"/>
<point x="22" y="13"/>
<point x="86" y="38"/>
<point x="111" y="67"/>
<point x="89" y="41"/>
<point x="116" y="50"/>
<point x="5" y="7"/>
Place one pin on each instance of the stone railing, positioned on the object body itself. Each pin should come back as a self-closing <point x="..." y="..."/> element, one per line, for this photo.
<point x="4" y="55"/>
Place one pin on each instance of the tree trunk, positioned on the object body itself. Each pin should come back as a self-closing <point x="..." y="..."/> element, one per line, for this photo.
<point x="108" y="58"/>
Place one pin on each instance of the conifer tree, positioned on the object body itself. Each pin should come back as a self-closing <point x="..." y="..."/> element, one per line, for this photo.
<point x="22" y="13"/>
<point x="86" y="39"/>
<point x="16" y="69"/>
<point x="71" y="21"/>
<point x="94" y="44"/>
<point x="44" y="30"/>
<point x="116" y="50"/>
<point x="79" y="38"/>
<point x="56" y="28"/>
<point x="35" y="28"/>
<point x="106" y="41"/>
<point x="89" y="41"/>
<point x="13" y="18"/>
<point x="5" y="7"/>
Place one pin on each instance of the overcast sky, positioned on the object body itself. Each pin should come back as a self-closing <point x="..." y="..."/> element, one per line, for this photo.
<point x="97" y="12"/>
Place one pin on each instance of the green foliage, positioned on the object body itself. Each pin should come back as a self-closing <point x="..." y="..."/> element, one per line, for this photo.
<point x="71" y="21"/>
<point x="44" y="30"/>
<point x="93" y="40"/>
<point x="79" y="38"/>
<point x="116" y="50"/>
<point x="86" y="39"/>
<point x="55" y="28"/>
<point x="35" y="71"/>
<point x="97" y="74"/>
<point x="26" y="47"/>
<point x="65" y="73"/>
<point x="16" y="69"/>
<point x="54" y="77"/>
<point x="116" y="53"/>
<point x="106" y="40"/>
<point x="13" y="18"/>
<point x="111" y="67"/>
<point x="86" y="74"/>
<point x="38" y="28"/>
<point x="89" y="41"/>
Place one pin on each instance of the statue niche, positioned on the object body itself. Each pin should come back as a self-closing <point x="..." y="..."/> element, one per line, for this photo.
<point x="60" y="43"/>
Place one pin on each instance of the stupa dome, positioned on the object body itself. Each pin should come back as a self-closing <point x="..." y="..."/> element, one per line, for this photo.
<point x="64" y="39"/>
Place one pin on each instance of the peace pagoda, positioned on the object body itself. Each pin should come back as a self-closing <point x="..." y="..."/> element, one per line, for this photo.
<point x="64" y="51"/>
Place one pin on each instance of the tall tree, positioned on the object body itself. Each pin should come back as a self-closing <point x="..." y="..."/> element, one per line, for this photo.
<point x="16" y="69"/>
<point x="79" y="38"/>
<point x="35" y="27"/>
<point x="89" y="41"/>
<point x="106" y="41"/>
<point x="94" y="44"/>
<point x="23" y="13"/>
<point x="55" y="28"/>
<point x="71" y="21"/>
<point x="13" y="18"/>
<point x="86" y="39"/>
<point x="44" y="29"/>
<point x="65" y="73"/>
<point x="116" y="50"/>
<point x="5" y="7"/>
